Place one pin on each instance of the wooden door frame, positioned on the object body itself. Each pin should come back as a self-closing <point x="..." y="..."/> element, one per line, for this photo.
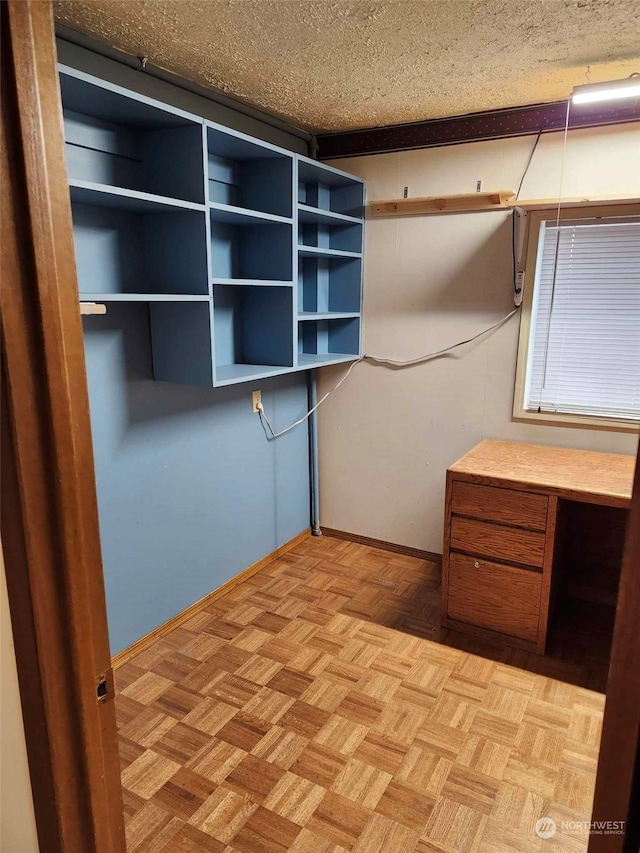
<point x="616" y="794"/>
<point x="49" y="509"/>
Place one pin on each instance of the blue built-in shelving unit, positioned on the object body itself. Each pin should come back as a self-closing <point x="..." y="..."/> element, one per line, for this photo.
<point x="248" y="255"/>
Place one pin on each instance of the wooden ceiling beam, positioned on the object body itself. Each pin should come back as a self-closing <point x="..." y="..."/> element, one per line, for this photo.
<point x="473" y="127"/>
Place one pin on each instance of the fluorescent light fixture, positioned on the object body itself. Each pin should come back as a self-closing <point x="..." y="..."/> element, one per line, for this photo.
<point x="612" y="90"/>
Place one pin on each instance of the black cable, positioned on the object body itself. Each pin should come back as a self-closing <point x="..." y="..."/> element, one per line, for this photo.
<point x="533" y="151"/>
<point x="513" y="215"/>
<point x="513" y="250"/>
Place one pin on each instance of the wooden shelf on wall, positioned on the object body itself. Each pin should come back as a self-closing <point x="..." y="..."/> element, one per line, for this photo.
<point x="583" y="201"/>
<point x="471" y="202"/>
<point x="462" y="203"/>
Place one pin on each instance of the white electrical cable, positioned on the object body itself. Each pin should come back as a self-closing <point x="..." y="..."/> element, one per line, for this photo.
<point x="265" y="419"/>
<point x="436" y="353"/>
<point x="391" y="361"/>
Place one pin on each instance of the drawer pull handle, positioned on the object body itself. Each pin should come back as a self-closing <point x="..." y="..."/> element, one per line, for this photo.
<point x="476" y="565"/>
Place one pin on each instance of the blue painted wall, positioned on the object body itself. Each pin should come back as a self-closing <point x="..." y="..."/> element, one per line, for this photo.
<point x="190" y="492"/>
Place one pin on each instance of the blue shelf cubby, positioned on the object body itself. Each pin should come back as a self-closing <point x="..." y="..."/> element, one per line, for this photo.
<point x="250" y="248"/>
<point x="328" y="341"/>
<point x="252" y="330"/>
<point x="249" y="174"/>
<point x="124" y="250"/>
<point x="329" y="190"/>
<point x="327" y="284"/>
<point x="115" y="138"/>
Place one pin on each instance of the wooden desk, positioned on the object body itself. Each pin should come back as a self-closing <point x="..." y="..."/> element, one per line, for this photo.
<point x="503" y="540"/>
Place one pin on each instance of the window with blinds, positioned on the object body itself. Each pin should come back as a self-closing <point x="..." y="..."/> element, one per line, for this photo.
<point x="584" y="343"/>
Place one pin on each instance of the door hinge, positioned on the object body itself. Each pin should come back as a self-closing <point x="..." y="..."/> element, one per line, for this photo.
<point x="104" y="687"/>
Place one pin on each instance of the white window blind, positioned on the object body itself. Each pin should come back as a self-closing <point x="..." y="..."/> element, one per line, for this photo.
<point x="584" y="347"/>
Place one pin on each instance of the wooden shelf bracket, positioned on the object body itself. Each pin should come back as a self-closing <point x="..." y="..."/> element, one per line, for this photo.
<point x="87" y="308"/>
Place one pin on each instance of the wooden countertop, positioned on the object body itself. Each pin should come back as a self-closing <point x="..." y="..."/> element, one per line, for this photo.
<point x="605" y="478"/>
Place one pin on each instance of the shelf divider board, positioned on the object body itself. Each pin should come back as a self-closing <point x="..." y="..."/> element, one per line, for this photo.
<point x="208" y="252"/>
<point x="103" y="195"/>
<point x="142" y="297"/>
<point x="295" y="260"/>
<point x="235" y="215"/>
<point x="322" y="251"/>
<point x="306" y="213"/>
<point x="252" y="282"/>
<point x="230" y="374"/>
<point x="309" y="361"/>
<point x="205" y="183"/>
<point x="327" y="315"/>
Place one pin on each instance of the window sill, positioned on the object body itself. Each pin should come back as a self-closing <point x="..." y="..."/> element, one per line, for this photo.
<point x="560" y="419"/>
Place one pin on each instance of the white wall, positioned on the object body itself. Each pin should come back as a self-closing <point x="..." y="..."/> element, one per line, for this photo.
<point x="17" y="821"/>
<point x="388" y="436"/>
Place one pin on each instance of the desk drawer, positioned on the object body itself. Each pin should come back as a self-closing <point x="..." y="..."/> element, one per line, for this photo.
<point x="490" y="595"/>
<point x="497" y="541"/>
<point x="506" y="506"/>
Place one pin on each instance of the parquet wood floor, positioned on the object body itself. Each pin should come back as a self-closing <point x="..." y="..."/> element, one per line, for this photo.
<point x="310" y="710"/>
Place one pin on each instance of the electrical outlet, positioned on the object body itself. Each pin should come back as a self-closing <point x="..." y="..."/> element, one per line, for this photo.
<point x="256" y="401"/>
<point x="517" y="297"/>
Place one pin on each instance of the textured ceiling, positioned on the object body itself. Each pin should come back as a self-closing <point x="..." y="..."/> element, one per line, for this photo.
<point x="343" y="64"/>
